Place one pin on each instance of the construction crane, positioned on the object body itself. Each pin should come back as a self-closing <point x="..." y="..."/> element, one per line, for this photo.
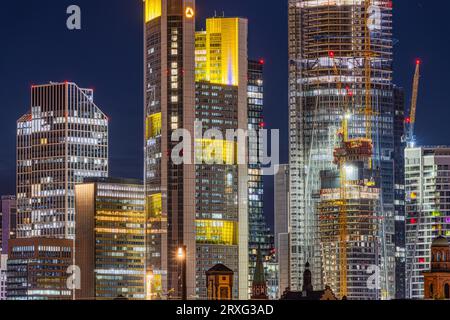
<point x="352" y="149"/>
<point x="411" y="120"/>
<point x="410" y="142"/>
<point x="341" y="161"/>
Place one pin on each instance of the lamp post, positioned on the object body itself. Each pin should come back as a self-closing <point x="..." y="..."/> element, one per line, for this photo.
<point x="181" y="255"/>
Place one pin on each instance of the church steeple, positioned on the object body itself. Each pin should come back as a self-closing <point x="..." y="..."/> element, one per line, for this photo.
<point x="259" y="285"/>
<point x="307" y="279"/>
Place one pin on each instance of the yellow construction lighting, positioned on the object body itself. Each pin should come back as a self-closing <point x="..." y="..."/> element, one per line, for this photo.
<point x="153" y="9"/>
<point x="218" y="232"/>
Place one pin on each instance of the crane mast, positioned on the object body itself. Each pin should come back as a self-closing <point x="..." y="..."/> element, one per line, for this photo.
<point x="411" y="121"/>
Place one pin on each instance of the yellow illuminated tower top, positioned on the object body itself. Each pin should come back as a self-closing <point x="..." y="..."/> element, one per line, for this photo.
<point x="217" y="51"/>
<point x="153" y="9"/>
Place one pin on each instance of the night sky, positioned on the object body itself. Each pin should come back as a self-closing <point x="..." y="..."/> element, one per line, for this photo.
<point x="106" y="55"/>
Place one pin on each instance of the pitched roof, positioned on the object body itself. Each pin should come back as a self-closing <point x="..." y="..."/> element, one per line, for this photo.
<point x="219" y="268"/>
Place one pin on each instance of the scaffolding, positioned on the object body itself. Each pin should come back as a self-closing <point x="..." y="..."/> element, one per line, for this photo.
<point x="339" y="66"/>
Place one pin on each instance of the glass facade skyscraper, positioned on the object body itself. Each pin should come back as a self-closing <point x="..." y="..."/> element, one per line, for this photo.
<point x="328" y="53"/>
<point x="60" y="141"/>
<point x="221" y="185"/>
<point x="260" y="236"/>
<point x="110" y="239"/>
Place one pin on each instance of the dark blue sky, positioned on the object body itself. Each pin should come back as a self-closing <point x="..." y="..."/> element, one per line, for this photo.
<point x="36" y="47"/>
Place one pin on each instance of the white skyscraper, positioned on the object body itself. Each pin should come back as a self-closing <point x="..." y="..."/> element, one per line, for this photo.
<point x="427" y="184"/>
<point x="61" y="140"/>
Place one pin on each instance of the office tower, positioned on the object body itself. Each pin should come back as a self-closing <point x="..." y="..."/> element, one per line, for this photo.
<point x="8" y="221"/>
<point x="260" y="236"/>
<point x="37" y="269"/>
<point x="427" y="185"/>
<point x="282" y="220"/>
<point x="169" y="32"/>
<point x="60" y="141"/>
<point x="221" y="167"/>
<point x="399" y="192"/>
<point x="110" y="239"/>
<point x="340" y="64"/>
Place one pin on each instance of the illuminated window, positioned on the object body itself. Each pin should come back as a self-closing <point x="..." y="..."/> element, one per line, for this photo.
<point x="153" y="125"/>
<point x="214" y="151"/>
<point x="219" y="232"/>
<point x="154" y="205"/>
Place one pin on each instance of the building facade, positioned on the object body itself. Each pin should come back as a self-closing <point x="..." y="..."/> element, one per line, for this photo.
<point x="37" y="269"/>
<point x="399" y="195"/>
<point x="169" y="97"/>
<point x="338" y="50"/>
<point x="8" y="221"/>
<point x="260" y="236"/>
<point x="427" y="185"/>
<point x="3" y="275"/>
<point x="60" y="141"/>
<point x="110" y="239"/>
<point x="349" y="229"/>
<point x="222" y="184"/>
<point x="282" y="221"/>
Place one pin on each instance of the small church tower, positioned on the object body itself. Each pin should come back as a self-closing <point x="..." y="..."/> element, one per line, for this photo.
<point x="437" y="279"/>
<point x="259" y="285"/>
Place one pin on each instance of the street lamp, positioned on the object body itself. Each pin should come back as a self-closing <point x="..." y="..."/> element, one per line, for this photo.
<point x="181" y="256"/>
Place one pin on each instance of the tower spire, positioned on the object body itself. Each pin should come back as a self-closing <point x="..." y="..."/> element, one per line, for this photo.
<point x="259" y="285"/>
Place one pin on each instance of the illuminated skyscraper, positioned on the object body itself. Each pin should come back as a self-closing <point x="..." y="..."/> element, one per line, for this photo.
<point x="260" y="236"/>
<point x="338" y="51"/>
<point x="63" y="139"/>
<point x="221" y="181"/>
<point x="169" y="31"/>
<point x="110" y="239"/>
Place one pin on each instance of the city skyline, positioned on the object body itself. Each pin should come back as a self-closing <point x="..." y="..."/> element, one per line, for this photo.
<point x="355" y="216"/>
<point x="126" y="146"/>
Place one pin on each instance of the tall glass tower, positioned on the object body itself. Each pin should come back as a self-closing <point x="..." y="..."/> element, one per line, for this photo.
<point x="333" y="57"/>
<point x="169" y="96"/>
<point x="260" y="236"/>
<point x="60" y="141"/>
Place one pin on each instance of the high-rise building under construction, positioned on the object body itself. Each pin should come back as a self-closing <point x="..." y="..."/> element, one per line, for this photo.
<point x="341" y="55"/>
